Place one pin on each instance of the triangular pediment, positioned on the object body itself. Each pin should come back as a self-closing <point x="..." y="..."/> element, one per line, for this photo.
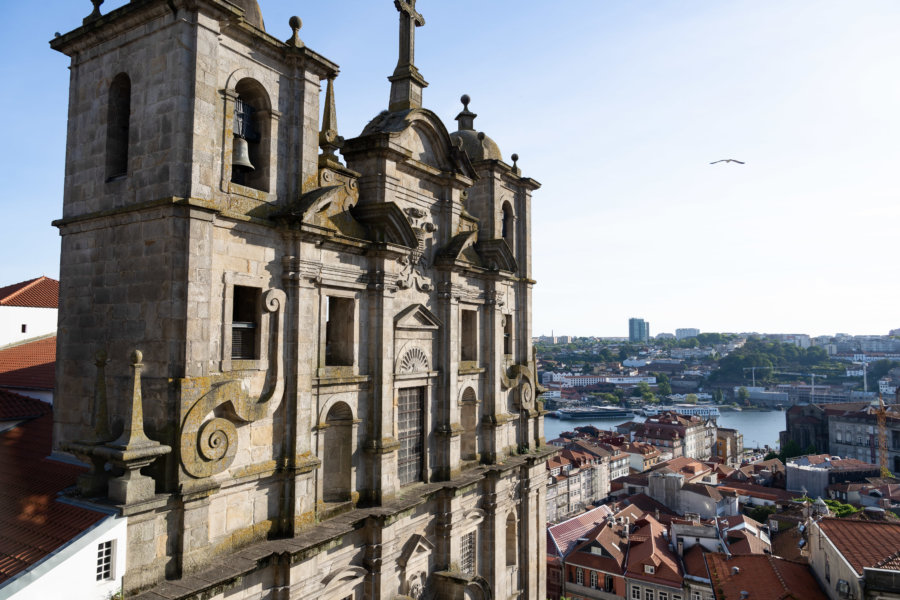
<point x="416" y="317"/>
<point x="418" y="545"/>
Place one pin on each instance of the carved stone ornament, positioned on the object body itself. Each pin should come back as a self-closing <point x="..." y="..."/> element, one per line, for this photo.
<point x="209" y="447"/>
<point x="412" y="271"/>
<point x="527" y="395"/>
<point x="414" y="360"/>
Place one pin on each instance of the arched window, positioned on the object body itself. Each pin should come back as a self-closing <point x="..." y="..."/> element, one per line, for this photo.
<point x="118" y="118"/>
<point x="250" y="157"/>
<point x="469" y="419"/>
<point x="507" y="229"/>
<point x="512" y="541"/>
<point x="337" y="458"/>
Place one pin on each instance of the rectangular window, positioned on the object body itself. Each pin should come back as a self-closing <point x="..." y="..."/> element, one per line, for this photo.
<point x="609" y="583"/>
<point x="245" y="323"/>
<point x="507" y="334"/>
<point x="635" y="592"/>
<point x="105" y="561"/>
<point x="24" y="328"/>
<point x="467" y="553"/>
<point x="648" y="594"/>
<point x="339" y="327"/>
<point x="695" y="595"/>
<point x="410" y="413"/>
<point x="579" y="576"/>
<point x="664" y="596"/>
<point x="468" y="335"/>
<point x="594" y="579"/>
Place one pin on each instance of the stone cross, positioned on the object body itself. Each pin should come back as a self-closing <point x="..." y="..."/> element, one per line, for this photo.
<point x="409" y="20"/>
<point x="406" y="82"/>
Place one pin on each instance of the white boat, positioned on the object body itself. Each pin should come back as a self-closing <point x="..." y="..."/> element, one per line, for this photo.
<point x="594" y="412"/>
<point x="705" y="411"/>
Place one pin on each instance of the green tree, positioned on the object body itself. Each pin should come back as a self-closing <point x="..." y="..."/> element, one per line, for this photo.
<point x="790" y="450"/>
<point x="663" y="386"/>
<point x="691" y="398"/>
<point x="743" y="396"/>
<point x="761" y="513"/>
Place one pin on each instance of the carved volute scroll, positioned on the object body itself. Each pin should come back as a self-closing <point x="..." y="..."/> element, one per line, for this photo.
<point x="209" y="447"/>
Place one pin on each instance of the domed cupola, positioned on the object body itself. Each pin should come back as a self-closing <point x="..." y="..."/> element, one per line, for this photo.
<point x="252" y="12"/>
<point x="476" y="144"/>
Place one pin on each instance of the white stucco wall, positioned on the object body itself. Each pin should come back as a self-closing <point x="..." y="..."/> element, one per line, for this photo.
<point x="71" y="572"/>
<point x="38" y="322"/>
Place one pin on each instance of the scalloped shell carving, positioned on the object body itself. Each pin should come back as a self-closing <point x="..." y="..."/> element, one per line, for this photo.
<point x="414" y="361"/>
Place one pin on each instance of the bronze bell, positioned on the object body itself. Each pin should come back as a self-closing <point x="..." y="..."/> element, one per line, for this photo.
<point x="241" y="154"/>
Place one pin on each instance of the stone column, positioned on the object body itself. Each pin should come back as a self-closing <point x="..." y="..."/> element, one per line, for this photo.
<point x="381" y="442"/>
<point x="305" y="347"/>
<point x="448" y="423"/>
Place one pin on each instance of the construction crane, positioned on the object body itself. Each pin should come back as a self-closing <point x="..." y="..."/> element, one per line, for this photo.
<point x="881" y="417"/>
<point x="775" y="370"/>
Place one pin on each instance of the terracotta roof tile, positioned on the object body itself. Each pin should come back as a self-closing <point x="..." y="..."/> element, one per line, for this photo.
<point x="29" y="365"/>
<point x="762" y="576"/>
<point x="565" y="535"/>
<point x="42" y="292"/>
<point x="650" y="547"/>
<point x="693" y="562"/>
<point x="33" y="523"/>
<point x="863" y="543"/>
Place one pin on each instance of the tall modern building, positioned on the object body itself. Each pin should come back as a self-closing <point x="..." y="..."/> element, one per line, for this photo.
<point x="638" y="330"/>
<point x="334" y="393"/>
<point x="686" y="332"/>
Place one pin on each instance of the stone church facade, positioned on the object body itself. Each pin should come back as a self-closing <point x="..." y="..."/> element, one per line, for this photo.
<point x="334" y="393"/>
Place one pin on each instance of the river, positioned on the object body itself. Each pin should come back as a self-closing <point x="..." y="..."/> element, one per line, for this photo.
<point x="758" y="428"/>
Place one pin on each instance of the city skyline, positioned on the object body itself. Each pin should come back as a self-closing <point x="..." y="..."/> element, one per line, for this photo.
<point x="628" y="106"/>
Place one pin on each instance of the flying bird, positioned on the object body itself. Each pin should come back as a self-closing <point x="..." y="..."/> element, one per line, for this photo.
<point x="727" y="160"/>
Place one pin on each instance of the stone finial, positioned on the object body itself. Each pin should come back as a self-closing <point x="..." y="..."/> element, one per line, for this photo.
<point x="101" y="410"/>
<point x="133" y="435"/>
<point x="96" y="13"/>
<point x="466" y="118"/>
<point x="329" y="140"/>
<point x="133" y="450"/>
<point x="406" y="82"/>
<point x="515" y="166"/>
<point x="295" y="40"/>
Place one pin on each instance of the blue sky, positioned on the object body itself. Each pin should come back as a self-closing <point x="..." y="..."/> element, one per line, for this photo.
<point x="617" y="108"/>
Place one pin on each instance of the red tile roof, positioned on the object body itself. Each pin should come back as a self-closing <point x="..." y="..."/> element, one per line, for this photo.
<point x="29" y="365"/>
<point x="650" y="547"/>
<point x="863" y="543"/>
<point x="762" y="576"/>
<point x="757" y="491"/>
<point x="33" y="524"/>
<point x="694" y="564"/>
<point x="42" y="292"/>
<point x="565" y="535"/>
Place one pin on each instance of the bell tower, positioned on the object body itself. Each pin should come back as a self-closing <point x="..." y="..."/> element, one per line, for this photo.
<point x="189" y="125"/>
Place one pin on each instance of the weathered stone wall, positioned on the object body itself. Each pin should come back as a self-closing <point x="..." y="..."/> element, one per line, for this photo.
<point x="359" y="297"/>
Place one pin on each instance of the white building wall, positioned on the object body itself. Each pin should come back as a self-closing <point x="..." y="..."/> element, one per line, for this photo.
<point x="37" y="321"/>
<point x="71" y="573"/>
